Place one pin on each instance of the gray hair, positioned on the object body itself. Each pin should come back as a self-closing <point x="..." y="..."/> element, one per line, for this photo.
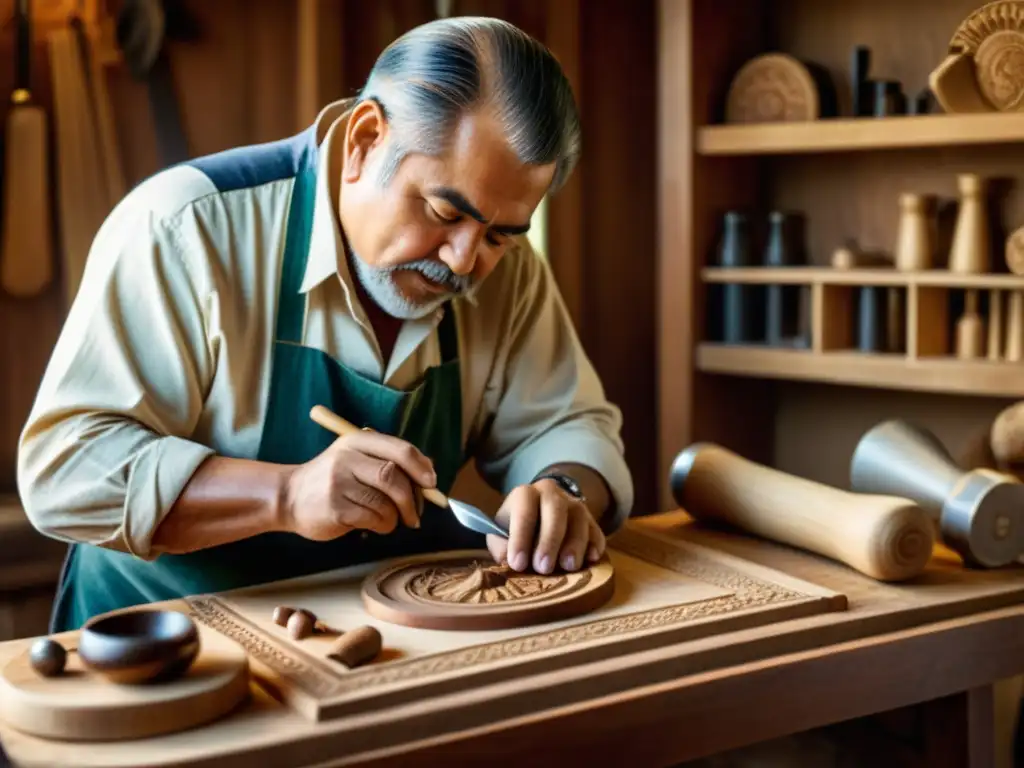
<point x="432" y="75"/>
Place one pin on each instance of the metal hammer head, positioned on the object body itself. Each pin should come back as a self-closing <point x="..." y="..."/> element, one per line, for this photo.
<point x="980" y="513"/>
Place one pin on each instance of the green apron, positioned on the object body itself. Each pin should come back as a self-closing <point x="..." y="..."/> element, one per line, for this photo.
<point x="95" y="580"/>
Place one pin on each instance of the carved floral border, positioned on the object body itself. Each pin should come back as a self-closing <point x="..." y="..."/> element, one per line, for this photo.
<point x="321" y="681"/>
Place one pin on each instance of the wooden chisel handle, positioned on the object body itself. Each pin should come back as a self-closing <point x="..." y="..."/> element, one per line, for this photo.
<point x="332" y="422"/>
<point x="884" y="537"/>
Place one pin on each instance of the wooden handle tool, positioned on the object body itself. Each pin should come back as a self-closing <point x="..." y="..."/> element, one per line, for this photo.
<point x="26" y="254"/>
<point x="884" y="537"/>
<point x="332" y="422"/>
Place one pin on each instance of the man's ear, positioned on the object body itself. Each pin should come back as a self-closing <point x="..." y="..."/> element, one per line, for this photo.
<point x="366" y="130"/>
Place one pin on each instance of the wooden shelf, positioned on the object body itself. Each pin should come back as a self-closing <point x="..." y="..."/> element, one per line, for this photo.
<point x="936" y="278"/>
<point x="861" y="134"/>
<point x="880" y="371"/>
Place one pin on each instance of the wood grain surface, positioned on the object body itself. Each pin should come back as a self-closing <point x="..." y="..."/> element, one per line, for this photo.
<point x="948" y="631"/>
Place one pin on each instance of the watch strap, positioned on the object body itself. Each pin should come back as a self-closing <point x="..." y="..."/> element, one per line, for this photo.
<point x="563" y="481"/>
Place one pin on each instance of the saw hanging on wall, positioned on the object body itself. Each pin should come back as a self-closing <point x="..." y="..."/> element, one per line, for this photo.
<point x="26" y="249"/>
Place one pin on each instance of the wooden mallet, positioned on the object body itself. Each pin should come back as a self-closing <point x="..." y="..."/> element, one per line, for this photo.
<point x="884" y="537"/>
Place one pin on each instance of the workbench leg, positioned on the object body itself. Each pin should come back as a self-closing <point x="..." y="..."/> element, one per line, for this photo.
<point x="960" y="730"/>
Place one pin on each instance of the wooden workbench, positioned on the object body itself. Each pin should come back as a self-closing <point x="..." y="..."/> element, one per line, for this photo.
<point x="949" y="635"/>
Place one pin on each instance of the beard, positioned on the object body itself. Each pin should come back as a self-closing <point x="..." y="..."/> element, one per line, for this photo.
<point x="379" y="284"/>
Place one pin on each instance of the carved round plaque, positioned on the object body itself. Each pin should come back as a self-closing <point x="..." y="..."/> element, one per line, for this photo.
<point x="469" y="591"/>
<point x="772" y="88"/>
<point x="994" y="36"/>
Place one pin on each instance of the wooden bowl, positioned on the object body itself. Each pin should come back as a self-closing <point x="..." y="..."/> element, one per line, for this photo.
<point x="139" y="646"/>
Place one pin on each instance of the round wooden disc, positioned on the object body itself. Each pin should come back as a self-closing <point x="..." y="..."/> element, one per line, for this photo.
<point x="771" y="88"/>
<point x="82" y="706"/>
<point x="469" y="591"/>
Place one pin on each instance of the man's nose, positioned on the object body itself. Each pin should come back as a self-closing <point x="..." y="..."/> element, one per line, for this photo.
<point x="461" y="250"/>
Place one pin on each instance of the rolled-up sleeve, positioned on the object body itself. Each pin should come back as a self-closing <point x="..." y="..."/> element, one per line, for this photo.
<point x="552" y="407"/>
<point x="105" y="452"/>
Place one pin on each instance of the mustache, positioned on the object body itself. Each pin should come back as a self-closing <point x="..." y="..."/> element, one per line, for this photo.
<point x="437" y="272"/>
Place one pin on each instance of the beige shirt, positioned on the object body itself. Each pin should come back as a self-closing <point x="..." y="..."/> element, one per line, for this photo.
<point x="164" y="359"/>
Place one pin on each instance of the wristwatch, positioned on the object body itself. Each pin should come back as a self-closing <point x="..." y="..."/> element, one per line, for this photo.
<point x="566" y="483"/>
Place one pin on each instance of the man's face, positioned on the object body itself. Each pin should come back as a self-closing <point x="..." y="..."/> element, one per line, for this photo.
<point x="442" y="223"/>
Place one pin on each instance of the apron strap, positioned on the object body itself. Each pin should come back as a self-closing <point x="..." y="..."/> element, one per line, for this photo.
<point x="447" y="335"/>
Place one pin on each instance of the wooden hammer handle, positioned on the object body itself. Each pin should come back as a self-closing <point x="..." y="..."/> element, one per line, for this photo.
<point x="885" y="537"/>
<point x="332" y="422"/>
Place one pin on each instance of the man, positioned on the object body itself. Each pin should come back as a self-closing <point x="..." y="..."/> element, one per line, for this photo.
<point x="375" y="264"/>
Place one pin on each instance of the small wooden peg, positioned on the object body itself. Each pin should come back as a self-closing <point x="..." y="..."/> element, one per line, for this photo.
<point x="357" y="646"/>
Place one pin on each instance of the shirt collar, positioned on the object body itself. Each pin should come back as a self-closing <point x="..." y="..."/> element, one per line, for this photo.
<point x="326" y="244"/>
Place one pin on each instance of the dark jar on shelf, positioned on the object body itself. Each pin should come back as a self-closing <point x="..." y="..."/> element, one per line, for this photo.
<point x="740" y="305"/>
<point x="735" y="249"/>
<point x="784" y="247"/>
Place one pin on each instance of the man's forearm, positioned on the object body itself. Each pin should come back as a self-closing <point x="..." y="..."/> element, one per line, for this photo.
<point x="597" y="495"/>
<point x="226" y="500"/>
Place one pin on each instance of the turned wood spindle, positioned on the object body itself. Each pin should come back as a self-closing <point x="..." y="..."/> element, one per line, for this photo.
<point x="914" y="246"/>
<point x="995" y="325"/>
<point x="1015" y="327"/>
<point x="970" y="338"/>
<point x="969" y="253"/>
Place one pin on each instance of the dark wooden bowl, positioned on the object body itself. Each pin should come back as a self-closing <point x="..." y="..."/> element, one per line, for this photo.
<point x="139" y="646"/>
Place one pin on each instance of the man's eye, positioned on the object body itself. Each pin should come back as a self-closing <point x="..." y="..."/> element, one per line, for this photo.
<point x="441" y="217"/>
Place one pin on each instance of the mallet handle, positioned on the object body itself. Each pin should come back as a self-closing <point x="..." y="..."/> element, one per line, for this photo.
<point x="885" y="537"/>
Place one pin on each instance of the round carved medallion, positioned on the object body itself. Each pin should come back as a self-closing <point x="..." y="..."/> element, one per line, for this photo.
<point x="994" y="36"/>
<point x="468" y="590"/>
<point x="772" y="88"/>
<point x="999" y="66"/>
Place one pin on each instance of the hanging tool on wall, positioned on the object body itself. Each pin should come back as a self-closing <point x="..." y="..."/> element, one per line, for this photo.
<point x="101" y="110"/>
<point x="26" y="252"/>
<point x="143" y="27"/>
<point x="82" y="194"/>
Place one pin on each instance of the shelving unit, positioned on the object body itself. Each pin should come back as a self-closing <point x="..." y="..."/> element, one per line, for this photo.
<point x="883" y="371"/>
<point x="801" y="407"/>
<point x="935" y="278"/>
<point x="861" y="134"/>
<point x="926" y="360"/>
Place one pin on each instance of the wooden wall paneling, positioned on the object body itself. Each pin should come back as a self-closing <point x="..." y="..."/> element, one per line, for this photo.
<point x="271" y="56"/>
<point x="307" y="60"/>
<point x="210" y="75"/>
<point x="371" y="27"/>
<point x="701" y="44"/>
<point x="562" y="34"/>
<point x="615" y="261"/>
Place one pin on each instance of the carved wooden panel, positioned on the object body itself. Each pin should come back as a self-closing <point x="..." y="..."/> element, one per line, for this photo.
<point x="666" y="591"/>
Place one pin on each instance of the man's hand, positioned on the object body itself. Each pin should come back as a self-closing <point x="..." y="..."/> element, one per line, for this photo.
<point x="361" y="482"/>
<point x="547" y="529"/>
